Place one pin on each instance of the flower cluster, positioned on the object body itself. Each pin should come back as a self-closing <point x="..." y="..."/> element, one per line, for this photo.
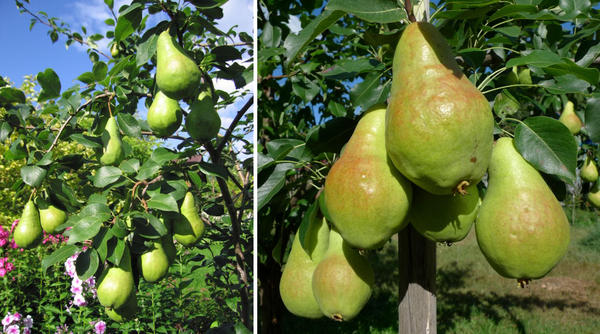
<point x="12" y="323"/>
<point x="5" y="236"/>
<point x="79" y="288"/>
<point x="5" y="266"/>
<point x="54" y="239"/>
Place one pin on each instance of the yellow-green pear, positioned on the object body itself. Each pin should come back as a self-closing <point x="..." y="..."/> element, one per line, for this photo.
<point x="521" y="228"/>
<point x="295" y="286"/>
<point x="125" y="312"/>
<point x="112" y="148"/>
<point x="439" y="127"/>
<point x="51" y="217"/>
<point x="570" y="119"/>
<point x="365" y="197"/>
<point x="116" y="284"/>
<point x="28" y="232"/>
<point x="343" y="280"/>
<point x="594" y="195"/>
<point x="444" y="218"/>
<point x="203" y="121"/>
<point x="589" y="171"/>
<point x="188" y="228"/>
<point x="114" y="50"/>
<point x="177" y="75"/>
<point x="164" y="115"/>
<point x="154" y="263"/>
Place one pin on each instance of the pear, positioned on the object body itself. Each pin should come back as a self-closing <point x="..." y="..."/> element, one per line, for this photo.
<point x="342" y="282"/>
<point x="444" y="218"/>
<point x="366" y="198"/>
<point x="188" y="228"/>
<point x="177" y="75"/>
<point x="28" y="232"/>
<point x="51" y="217"/>
<point x="154" y="263"/>
<point x="114" y="50"/>
<point x="570" y="119"/>
<point x="116" y="284"/>
<point x="589" y="171"/>
<point x="112" y="149"/>
<point x="594" y="195"/>
<point x="164" y="115"/>
<point x="521" y="229"/>
<point x="439" y="127"/>
<point x="203" y="121"/>
<point x="295" y="286"/>
<point x="125" y="312"/>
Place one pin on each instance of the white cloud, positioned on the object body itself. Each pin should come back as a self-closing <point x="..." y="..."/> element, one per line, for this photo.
<point x="294" y="24"/>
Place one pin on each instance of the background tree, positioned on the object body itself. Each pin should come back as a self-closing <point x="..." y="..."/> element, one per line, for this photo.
<point x="57" y="139"/>
<point x="325" y="62"/>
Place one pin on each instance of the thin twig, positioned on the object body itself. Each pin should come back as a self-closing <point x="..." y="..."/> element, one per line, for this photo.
<point x="229" y="131"/>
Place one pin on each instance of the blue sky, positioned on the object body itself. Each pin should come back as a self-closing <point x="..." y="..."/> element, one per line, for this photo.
<point x="27" y="52"/>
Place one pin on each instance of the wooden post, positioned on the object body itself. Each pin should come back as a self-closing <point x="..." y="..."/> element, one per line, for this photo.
<point x="417" y="309"/>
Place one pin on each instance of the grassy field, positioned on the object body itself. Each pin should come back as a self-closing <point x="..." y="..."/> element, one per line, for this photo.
<point x="472" y="298"/>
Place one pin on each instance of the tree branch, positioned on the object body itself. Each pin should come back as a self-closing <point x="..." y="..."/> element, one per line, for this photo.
<point x="229" y="131"/>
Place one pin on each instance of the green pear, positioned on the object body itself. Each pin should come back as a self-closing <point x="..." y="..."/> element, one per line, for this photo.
<point x="439" y="127"/>
<point x="154" y="263"/>
<point x="512" y="78"/>
<point x="116" y="284"/>
<point x="114" y="50"/>
<point x="177" y="75"/>
<point x="112" y="149"/>
<point x="51" y="217"/>
<point x="295" y="286"/>
<point x="589" y="171"/>
<point x="521" y="228"/>
<point x="594" y="195"/>
<point x="188" y="228"/>
<point x="570" y="119"/>
<point x="203" y="121"/>
<point x="343" y="280"/>
<point x="444" y="218"/>
<point x="125" y="312"/>
<point x="28" y="232"/>
<point x="366" y="198"/>
<point x="164" y="115"/>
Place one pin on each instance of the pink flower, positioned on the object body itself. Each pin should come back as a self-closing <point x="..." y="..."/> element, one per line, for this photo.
<point x="2" y="262"/>
<point x="28" y="321"/>
<point x="76" y="289"/>
<point x="2" y="272"/>
<point x="100" y="327"/>
<point x="12" y="227"/>
<point x="17" y="316"/>
<point x="78" y="300"/>
<point x="7" y="319"/>
<point x="3" y="242"/>
<point x="9" y="266"/>
<point x="14" y="329"/>
<point x="26" y="330"/>
<point x="13" y="244"/>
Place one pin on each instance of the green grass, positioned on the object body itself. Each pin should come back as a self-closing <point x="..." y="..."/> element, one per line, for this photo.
<point x="473" y="298"/>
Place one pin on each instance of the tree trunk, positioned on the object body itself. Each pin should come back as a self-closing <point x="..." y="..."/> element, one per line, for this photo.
<point x="417" y="309"/>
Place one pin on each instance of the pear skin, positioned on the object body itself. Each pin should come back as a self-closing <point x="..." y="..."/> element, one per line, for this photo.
<point x="125" y="312"/>
<point x="439" y="127"/>
<point x="521" y="228"/>
<point x="203" y="121"/>
<point x="112" y="149"/>
<point x="365" y="197"/>
<point x="342" y="282"/>
<point x="444" y="218"/>
<point x="177" y="75"/>
<point x="52" y="217"/>
<point x="594" y="195"/>
<point x="116" y="284"/>
<point x="154" y="263"/>
<point x="295" y="286"/>
<point x="570" y="119"/>
<point x="188" y="228"/>
<point x="164" y="115"/>
<point x="28" y="232"/>
<point x="589" y="171"/>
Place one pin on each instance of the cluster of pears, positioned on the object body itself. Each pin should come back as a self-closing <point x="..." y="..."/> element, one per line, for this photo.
<point x="178" y="77"/>
<point x="35" y="218"/>
<point x="419" y="162"/>
<point x="324" y="275"/>
<point x="116" y="287"/>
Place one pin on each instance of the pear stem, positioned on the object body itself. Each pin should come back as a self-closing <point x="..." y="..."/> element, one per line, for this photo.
<point x="409" y="11"/>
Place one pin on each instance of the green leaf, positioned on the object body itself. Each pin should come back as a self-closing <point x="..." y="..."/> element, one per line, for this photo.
<point x="309" y="216"/>
<point x="128" y="21"/>
<point x="295" y="44"/>
<point x="162" y="155"/>
<point x="146" y="50"/>
<point x="330" y="136"/>
<point x="547" y="145"/>
<point x="87" y="141"/>
<point x="226" y="53"/>
<point x="271" y="36"/>
<point x="156" y="224"/>
<point x="505" y="104"/>
<point x="97" y="210"/>
<point x="130" y="166"/>
<point x="273" y="180"/>
<point x="350" y="68"/>
<point x="129" y="125"/>
<point x="148" y="169"/>
<point x="85" y="228"/>
<point x="592" y="119"/>
<point x="370" y="92"/>
<point x="211" y="169"/>
<point x="33" y="175"/>
<point x="11" y="95"/>
<point x="59" y="255"/>
<point x="164" y="202"/>
<point x="100" y="69"/>
<point x="109" y="3"/>
<point x="538" y="58"/>
<point x="106" y="175"/>
<point x="50" y="84"/>
<point x="86" y="263"/>
<point x="87" y="78"/>
<point x="376" y="11"/>
<point x="5" y="130"/>
<point x="336" y="109"/>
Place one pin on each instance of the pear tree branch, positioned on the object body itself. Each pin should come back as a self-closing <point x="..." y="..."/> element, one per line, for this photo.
<point x="229" y="131"/>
